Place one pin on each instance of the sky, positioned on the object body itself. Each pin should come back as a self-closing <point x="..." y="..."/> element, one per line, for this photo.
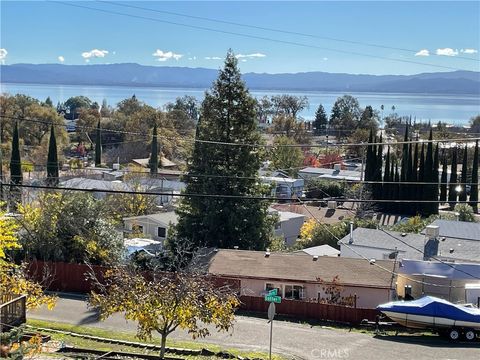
<point x="411" y="37"/>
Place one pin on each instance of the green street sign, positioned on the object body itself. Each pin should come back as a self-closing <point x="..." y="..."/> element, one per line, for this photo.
<point x="275" y="299"/>
<point x="272" y="292"/>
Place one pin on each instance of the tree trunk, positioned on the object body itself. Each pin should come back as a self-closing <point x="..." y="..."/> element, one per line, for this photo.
<point x="163" y="345"/>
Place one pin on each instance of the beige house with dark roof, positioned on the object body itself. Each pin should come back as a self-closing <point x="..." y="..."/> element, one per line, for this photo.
<point x="299" y="276"/>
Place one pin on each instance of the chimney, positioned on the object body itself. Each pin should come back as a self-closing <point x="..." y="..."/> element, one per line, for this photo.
<point x="431" y="244"/>
<point x="350" y="241"/>
<point x="337" y="167"/>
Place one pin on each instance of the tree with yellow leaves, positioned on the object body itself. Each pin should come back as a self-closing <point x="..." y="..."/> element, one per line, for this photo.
<point x="14" y="281"/>
<point x="166" y="301"/>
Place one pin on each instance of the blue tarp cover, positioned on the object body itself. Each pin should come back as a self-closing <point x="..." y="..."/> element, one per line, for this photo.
<point x="432" y="306"/>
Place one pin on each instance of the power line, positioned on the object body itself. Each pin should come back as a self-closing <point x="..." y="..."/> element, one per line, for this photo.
<point x="196" y="27"/>
<point x="257" y="145"/>
<point x="272" y="29"/>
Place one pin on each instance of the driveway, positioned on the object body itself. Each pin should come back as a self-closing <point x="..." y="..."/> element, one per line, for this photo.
<point x="295" y="341"/>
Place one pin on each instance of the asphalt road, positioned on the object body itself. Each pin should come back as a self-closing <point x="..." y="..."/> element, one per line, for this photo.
<point x="295" y="341"/>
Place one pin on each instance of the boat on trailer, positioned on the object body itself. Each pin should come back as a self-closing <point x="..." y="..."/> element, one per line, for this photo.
<point x="436" y="314"/>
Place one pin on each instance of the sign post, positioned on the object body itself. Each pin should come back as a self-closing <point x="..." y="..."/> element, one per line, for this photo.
<point x="272" y="298"/>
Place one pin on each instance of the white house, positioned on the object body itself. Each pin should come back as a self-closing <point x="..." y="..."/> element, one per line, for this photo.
<point x="154" y="226"/>
<point x="288" y="226"/>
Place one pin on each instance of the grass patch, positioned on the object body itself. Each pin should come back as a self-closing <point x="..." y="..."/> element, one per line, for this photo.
<point x="129" y="336"/>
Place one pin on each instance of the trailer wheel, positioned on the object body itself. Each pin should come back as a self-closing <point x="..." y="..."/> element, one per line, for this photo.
<point x="453" y="334"/>
<point x="469" y="334"/>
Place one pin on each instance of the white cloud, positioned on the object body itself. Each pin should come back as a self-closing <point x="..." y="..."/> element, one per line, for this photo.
<point x="423" y="52"/>
<point x="95" y="53"/>
<point x="213" y="58"/>
<point x="192" y="58"/>
<point x="166" y="55"/>
<point x="469" y="51"/>
<point x="325" y="59"/>
<point x="447" y="52"/>
<point x="114" y="53"/>
<point x="3" y="55"/>
<point x="243" y="60"/>
<point x="254" y="55"/>
<point x="61" y="59"/>
<point x="87" y="60"/>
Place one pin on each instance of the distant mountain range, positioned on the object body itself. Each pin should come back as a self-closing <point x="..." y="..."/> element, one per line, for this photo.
<point x="456" y="82"/>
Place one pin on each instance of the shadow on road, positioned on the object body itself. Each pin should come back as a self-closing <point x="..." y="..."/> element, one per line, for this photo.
<point x="92" y="317"/>
<point x="431" y="341"/>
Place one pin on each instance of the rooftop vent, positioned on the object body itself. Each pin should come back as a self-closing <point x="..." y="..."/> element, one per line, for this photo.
<point x="315" y="257"/>
<point x="432" y="231"/>
<point x="451" y="251"/>
<point x="332" y="204"/>
<point x="337" y="167"/>
<point x="267" y="254"/>
<point x="116" y="166"/>
<point x="236" y="247"/>
<point x="403" y="234"/>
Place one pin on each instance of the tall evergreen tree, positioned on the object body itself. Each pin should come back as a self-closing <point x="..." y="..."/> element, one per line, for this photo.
<point x="452" y="192"/>
<point x="443" y="185"/>
<point x="427" y="208"/>
<point x="321" y="120"/>
<point x="474" y="184"/>
<point x="369" y="163"/>
<point x="378" y="171"/>
<point x="396" y="191"/>
<point x="462" y="196"/>
<point x="98" y="145"/>
<point x="386" y="180"/>
<point x="421" y="179"/>
<point x="52" y="160"/>
<point x="414" y="177"/>
<point x="16" y="176"/>
<point x="435" y="180"/>
<point x="227" y="115"/>
<point x="403" y="192"/>
<point x="153" y="162"/>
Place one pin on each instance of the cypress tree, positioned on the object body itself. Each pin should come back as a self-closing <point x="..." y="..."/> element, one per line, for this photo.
<point x="16" y="176"/>
<point x="368" y="162"/>
<point x="153" y="162"/>
<point x="378" y="171"/>
<point x="391" y="190"/>
<point x="52" y="160"/>
<point x="463" y="179"/>
<point x="414" y="188"/>
<point x="403" y="191"/>
<point x="386" y="180"/>
<point x="227" y="115"/>
<point x="98" y="145"/>
<point x="474" y="184"/>
<point x="428" y="177"/>
<point x="396" y="191"/>
<point x="452" y="193"/>
<point x="421" y="179"/>
<point x="435" y="180"/>
<point x="443" y="185"/>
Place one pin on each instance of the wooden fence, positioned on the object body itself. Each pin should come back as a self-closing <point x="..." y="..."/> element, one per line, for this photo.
<point x="67" y="277"/>
<point x="13" y="309"/>
<point x="310" y="310"/>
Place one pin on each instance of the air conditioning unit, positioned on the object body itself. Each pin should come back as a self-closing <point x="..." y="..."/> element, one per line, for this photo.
<point x="432" y="231"/>
<point x="116" y="166"/>
<point x="332" y="204"/>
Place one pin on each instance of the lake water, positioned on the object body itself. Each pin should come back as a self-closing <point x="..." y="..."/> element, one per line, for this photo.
<point x="450" y="108"/>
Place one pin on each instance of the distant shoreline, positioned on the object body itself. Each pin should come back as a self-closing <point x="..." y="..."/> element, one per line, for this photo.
<point x="255" y="89"/>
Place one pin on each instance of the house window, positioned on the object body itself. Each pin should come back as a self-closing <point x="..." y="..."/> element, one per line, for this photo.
<point x="294" y="292"/>
<point x="161" y="232"/>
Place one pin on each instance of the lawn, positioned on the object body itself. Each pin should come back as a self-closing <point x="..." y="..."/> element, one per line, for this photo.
<point x="76" y="341"/>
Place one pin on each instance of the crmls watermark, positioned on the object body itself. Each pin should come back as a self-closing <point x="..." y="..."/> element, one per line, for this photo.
<point x="330" y="354"/>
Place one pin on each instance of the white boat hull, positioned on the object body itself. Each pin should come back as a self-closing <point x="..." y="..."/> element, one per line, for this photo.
<point x="423" y="322"/>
